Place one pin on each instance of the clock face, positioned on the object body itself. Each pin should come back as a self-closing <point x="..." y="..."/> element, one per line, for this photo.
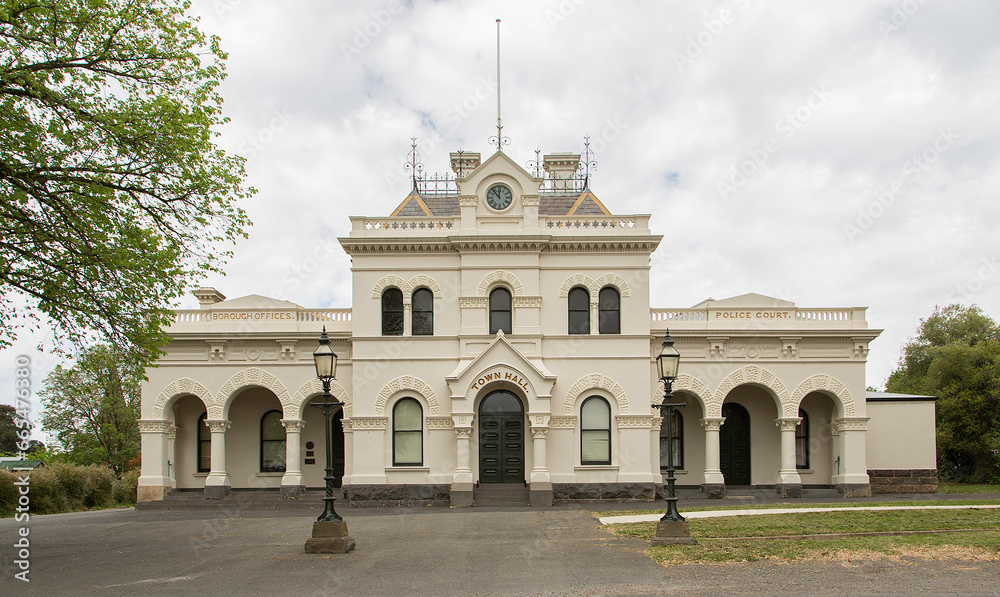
<point x="499" y="196"/>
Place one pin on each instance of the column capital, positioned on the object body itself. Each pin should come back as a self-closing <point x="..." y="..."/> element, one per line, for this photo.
<point x="787" y="423"/>
<point x="293" y="425"/>
<point x="852" y="423"/>
<point x="171" y="431"/>
<point x="712" y="423"/>
<point x="218" y="425"/>
<point x="154" y="426"/>
<point x="539" y="432"/>
<point x="463" y="432"/>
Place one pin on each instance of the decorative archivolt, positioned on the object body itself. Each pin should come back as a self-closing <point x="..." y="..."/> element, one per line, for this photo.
<point x="184" y="385"/>
<point x="685" y="383"/>
<point x="251" y="376"/>
<point x="611" y="280"/>
<point x="595" y="381"/>
<point x="501" y="276"/>
<point x="594" y="286"/>
<point x="297" y="405"/>
<point x="411" y="384"/>
<point x="828" y="385"/>
<point x="574" y="281"/>
<point x="407" y="286"/>
<point x="751" y="374"/>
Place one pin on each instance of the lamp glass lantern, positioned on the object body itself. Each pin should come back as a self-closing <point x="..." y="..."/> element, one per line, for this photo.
<point x="668" y="360"/>
<point x="325" y="359"/>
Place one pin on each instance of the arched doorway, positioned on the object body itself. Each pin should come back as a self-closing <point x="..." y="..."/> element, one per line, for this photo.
<point x="501" y="439"/>
<point x="734" y="445"/>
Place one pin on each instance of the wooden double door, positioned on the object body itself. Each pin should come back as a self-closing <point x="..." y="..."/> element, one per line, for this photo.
<point x="734" y="445"/>
<point x="501" y="439"/>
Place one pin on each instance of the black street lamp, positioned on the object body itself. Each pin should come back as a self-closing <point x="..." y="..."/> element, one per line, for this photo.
<point x="329" y="531"/>
<point x="672" y="528"/>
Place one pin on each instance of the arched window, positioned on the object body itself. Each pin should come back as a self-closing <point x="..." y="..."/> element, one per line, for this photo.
<point x="802" y="441"/>
<point x="595" y="431"/>
<point x="609" y="316"/>
<point x="500" y="313"/>
<point x="423" y="312"/>
<point x="407" y="433"/>
<point x="579" y="311"/>
<point x="678" y="442"/>
<point x="272" y="443"/>
<point x="204" y="445"/>
<point x="392" y="312"/>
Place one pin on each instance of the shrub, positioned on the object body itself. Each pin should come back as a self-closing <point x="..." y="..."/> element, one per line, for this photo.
<point x="60" y="488"/>
<point x="126" y="488"/>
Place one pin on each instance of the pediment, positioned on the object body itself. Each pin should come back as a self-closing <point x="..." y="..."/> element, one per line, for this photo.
<point x="499" y="163"/>
<point x="751" y="299"/>
<point x="501" y="362"/>
<point x="255" y="301"/>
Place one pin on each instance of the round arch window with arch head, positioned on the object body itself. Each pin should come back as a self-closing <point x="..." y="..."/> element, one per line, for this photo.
<point x="609" y="311"/>
<point x="407" y="433"/>
<point x="422" y="312"/>
<point x="392" y="312"/>
<point x="272" y="443"/>
<point x="595" y="431"/>
<point x="501" y="315"/>
<point x="579" y="310"/>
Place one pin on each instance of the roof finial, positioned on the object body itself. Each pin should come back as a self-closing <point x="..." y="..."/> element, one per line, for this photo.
<point x="587" y="162"/>
<point x="413" y="165"/>
<point x="499" y="140"/>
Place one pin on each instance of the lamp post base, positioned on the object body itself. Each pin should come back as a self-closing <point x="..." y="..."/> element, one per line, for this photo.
<point x="673" y="533"/>
<point x="329" y="536"/>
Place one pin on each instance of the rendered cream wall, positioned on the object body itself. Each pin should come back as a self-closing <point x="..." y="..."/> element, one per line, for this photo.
<point x="901" y="435"/>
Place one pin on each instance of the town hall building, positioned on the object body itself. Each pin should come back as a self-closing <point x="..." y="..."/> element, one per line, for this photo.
<point x="501" y="334"/>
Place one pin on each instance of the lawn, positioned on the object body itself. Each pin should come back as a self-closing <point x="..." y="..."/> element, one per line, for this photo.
<point x="972" y="534"/>
<point x="967" y="488"/>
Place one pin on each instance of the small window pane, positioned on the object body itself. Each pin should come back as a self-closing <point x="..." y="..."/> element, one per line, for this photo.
<point x="274" y="456"/>
<point x="500" y="313"/>
<point x="595" y="447"/>
<point x="407" y="413"/>
<point x="802" y="442"/>
<point x="500" y="299"/>
<point x="271" y="427"/>
<point x="392" y="312"/>
<point x="423" y="312"/>
<point x="579" y="311"/>
<point x="407" y="447"/>
<point x="272" y="442"/>
<point x="609" y="316"/>
<point x="204" y="445"/>
<point x="596" y="414"/>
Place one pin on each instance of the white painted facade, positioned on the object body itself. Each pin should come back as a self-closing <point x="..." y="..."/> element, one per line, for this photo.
<point x="233" y="361"/>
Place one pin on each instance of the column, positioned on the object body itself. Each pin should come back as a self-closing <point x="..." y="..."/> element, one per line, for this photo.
<point x="540" y="488"/>
<point x="714" y="485"/>
<point x="788" y="481"/>
<point x="154" y="481"/>
<point x="853" y="480"/>
<point x="217" y="482"/>
<point x="292" y="486"/>
<point x="462" y="481"/>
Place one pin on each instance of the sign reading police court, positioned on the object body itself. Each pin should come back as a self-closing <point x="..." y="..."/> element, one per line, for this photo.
<point x="501" y="374"/>
<point x="751" y="315"/>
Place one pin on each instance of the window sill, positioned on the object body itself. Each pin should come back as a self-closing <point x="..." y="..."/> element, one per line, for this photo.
<point x="596" y="467"/>
<point x="201" y="475"/>
<point x="418" y="469"/>
<point x="271" y="474"/>
<point x="804" y="471"/>
<point x="678" y="471"/>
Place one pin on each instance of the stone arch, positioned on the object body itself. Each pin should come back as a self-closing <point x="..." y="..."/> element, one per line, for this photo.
<point x="178" y="387"/>
<point x="314" y="386"/>
<point x="595" y="381"/>
<point x="387" y="282"/>
<point x="425" y="281"/>
<point x="574" y="281"/>
<point x="754" y="375"/>
<point x="828" y="385"/>
<point x="407" y="383"/>
<point x="252" y="376"/>
<point x="611" y="280"/>
<point x="685" y="383"/>
<point x="501" y="276"/>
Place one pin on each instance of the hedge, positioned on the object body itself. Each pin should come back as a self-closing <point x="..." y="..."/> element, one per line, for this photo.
<point x="67" y="488"/>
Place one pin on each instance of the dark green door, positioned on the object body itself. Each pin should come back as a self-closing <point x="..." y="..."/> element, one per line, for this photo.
<point x="337" y="442"/>
<point x="734" y="445"/>
<point x="501" y="439"/>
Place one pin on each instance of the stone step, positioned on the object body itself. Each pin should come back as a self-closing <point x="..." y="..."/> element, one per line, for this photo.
<point x="497" y="494"/>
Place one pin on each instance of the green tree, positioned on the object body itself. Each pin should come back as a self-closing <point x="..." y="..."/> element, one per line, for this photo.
<point x="93" y="407"/>
<point x="10" y="432"/>
<point x="114" y="197"/>
<point x="956" y="357"/>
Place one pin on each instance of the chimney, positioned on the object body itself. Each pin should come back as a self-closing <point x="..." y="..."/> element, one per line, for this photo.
<point x="464" y="162"/>
<point x="561" y="166"/>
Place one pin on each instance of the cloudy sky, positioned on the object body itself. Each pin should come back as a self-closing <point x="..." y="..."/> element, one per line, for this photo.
<point x="828" y="153"/>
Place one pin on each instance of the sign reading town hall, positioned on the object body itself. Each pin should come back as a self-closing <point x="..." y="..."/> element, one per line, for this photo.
<point x="540" y="374"/>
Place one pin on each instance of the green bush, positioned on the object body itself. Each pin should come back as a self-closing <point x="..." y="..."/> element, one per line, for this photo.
<point x="126" y="488"/>
<point x="60" y="488"/>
